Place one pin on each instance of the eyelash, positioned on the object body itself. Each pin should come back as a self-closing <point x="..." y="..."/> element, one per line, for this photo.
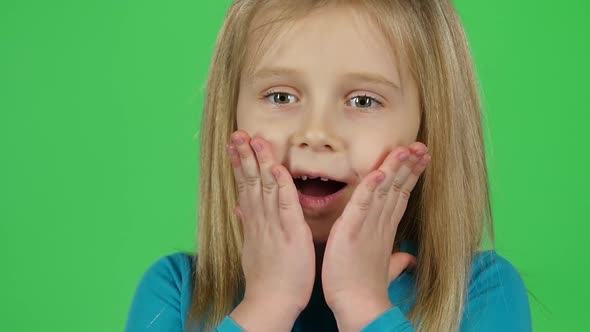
<point x="374" y="99"/>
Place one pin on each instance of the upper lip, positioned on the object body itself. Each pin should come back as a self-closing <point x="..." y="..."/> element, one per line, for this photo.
<point x="317" y="174"/>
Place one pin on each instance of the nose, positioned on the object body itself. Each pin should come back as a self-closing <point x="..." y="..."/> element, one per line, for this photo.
<point x="316" y="134"/>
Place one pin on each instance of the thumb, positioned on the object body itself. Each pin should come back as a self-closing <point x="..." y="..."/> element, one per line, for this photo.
<point x="399" y="262"/>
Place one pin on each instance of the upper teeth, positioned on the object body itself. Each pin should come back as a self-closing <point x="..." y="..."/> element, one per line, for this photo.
<point x="305" y="177"/>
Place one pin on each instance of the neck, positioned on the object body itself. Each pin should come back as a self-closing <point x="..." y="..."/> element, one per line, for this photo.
<point x="320" y="247"/>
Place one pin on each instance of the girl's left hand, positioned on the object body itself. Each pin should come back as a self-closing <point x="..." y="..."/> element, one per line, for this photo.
<point x="358" y="265"/>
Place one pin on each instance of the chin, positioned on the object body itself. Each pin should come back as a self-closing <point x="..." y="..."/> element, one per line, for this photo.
<point x="320" y="227"/>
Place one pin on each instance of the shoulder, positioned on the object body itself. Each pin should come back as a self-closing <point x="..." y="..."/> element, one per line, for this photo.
<point x="490" y="269"/>
<point x="174" y="268"/>
<point x="162" y="297"/>
<point x="497" y="296"/>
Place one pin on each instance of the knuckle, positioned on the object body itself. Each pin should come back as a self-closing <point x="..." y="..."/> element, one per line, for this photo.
<point x="252" y="180"/>
<point x="284" y="204"/>
<point x="405" y="194"/>
<point x="382" y="192"/>
<point x="396" y="186"/>
<point x="363" y="205"/>
<point x="269" y="188"/>
<point x="241" y="185"/>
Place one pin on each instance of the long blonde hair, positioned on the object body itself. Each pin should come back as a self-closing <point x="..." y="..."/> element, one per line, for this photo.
<point x="450" y="206"/>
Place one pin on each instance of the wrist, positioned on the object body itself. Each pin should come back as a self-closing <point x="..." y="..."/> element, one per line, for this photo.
<point x="264" y="315"/>
<point x="355" y="317"/>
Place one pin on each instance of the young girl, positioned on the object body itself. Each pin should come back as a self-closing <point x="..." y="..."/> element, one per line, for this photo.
<point x="343" y="180"/>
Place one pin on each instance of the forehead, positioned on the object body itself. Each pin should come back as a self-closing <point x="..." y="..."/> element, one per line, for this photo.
<point x="326" y="40"/>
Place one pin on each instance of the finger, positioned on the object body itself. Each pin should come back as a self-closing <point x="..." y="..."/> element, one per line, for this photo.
<point x="419" y="149"/>
<point x="398" y="263"/>
<point x="403" y="166"/>
<point x="241" y="185"/>
<point x="251" y="175"/>
<point x="379" y="199"/>
<point x="290" y="212"/>
<point x="390" y="168"/>
<point x="358" y="208"/>
<point x="417" y="170"/>
<point x="270" y="189"/>
<point x="404" y="194"/>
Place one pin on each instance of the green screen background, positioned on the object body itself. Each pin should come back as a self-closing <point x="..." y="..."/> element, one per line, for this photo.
<point x="99" y="107"/>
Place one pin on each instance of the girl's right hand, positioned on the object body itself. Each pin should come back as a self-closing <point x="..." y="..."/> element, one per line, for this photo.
<point x="278" y="256"/>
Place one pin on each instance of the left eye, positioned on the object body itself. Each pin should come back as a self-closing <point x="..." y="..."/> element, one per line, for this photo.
<point x="364" y="101"/>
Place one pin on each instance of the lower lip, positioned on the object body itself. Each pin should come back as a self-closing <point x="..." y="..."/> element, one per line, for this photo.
<point x="318" y="203"/>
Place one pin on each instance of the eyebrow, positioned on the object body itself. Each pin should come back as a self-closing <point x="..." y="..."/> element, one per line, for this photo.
<point x="273" y="72"/>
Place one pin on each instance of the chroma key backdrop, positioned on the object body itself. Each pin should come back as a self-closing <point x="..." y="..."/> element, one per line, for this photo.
<point x="100" y="105"/>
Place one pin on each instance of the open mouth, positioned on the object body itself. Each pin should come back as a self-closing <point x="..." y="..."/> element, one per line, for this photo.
<point x="317" y="187"/>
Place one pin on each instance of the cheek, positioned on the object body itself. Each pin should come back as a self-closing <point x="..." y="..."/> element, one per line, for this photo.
<point x="277" y="137"/>
<point x="367" y="153"/>
<point x="258" y="123"/>
<point x="363" y="161"/>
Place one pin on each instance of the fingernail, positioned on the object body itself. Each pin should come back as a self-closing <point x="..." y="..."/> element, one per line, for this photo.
<point x="238" y="140"/>
<point x="380" y="178"/>
<point x="257" y="146"/>
<point x="402" y="155"/>
<point x="420" y="153"/>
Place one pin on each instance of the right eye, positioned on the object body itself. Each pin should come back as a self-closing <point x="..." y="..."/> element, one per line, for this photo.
<point x="279" y="97"/>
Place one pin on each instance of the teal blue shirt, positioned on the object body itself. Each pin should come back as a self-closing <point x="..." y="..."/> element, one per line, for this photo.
<point x="497" y="300"/>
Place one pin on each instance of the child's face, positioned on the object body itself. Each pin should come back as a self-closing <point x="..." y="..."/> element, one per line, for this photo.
<point x="318" y="118"/>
